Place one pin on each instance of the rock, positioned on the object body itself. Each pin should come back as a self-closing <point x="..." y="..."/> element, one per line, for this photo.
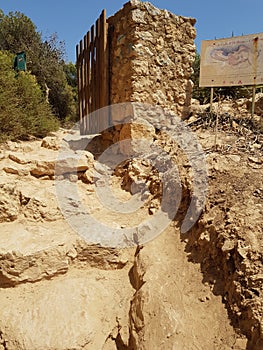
<point x="138" y="186"/>
<point x="195" y="109"/>
<point x="233" y="157"/>
<point x="152" y="10"/>
<point x="121" y="111"/>
<point x="73" y="178"/>
<point x="78" y="162"/>
<point x="11" y="170"/>
<point x="43" y="167"/>
<point x="228" y="245"/>
<point x="255" y="160"/>
<point x="42" y="254"/>
<point x="84" y="154"/>
<point x="20" y="158"/>
<point x="51" y="143"/>
<point x="240" y="344"/>
<point x="88" y="176"/>
<point x="258" y="104"/>
<point x="46" y="177"/>
<point x="76" y="311"/>
<point x="9" y="202"/>
<point x="138" y="16"/>
<point x="194" y="101"/>
<point x="101" y="168"/>
<point x="142" y="58"/>
<point x="152" y="210"/>
<point x="136" y="136"/>
<point x="16" y="171"/>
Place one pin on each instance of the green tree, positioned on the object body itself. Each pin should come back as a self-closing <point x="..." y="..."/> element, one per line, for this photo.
<point x="44" y="60"/>
<point x="23" y="109"/>
<point x="70" y="70"/>
<point x="199" y="93"/>
<point x="18" y="33"/>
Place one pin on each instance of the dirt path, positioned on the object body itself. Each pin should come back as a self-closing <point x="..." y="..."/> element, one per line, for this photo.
<point x="87" y="307"/>
<point x="58" y="292"/>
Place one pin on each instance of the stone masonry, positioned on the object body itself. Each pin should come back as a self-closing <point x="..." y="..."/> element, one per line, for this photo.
<point x="152" y="52"/>
<point x="151" y="57"/>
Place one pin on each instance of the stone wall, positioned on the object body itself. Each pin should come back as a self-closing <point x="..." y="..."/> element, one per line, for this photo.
<point x="152" y="52"/>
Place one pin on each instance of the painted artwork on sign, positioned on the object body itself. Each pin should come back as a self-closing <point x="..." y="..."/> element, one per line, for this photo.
<point x="233" y="61"/>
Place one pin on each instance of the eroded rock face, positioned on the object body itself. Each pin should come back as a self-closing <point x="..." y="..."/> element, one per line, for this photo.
<point x="9" y="202"/>
<point x="77" y="311"/>
<point x="167" y="313"/>
<point x="151" y="297"/>
<point x="229" y="236"/>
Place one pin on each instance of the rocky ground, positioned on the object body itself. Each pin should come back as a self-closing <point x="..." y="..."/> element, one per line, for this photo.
<point x="196" y="290"/>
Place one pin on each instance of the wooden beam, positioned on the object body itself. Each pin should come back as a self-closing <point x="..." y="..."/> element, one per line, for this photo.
<point x="78" y="80"/>
<point x="88" y="84"/>
<point x="104" y="69"/>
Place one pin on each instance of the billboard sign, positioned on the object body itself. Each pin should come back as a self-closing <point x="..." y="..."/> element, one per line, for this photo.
<point x="232" y="61"/>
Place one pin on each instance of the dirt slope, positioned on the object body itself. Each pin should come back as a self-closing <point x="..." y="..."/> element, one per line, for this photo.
<point x="60" y="292"/>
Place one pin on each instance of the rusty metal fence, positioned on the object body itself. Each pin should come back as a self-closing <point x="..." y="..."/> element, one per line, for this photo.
<point x="93" y="78"/>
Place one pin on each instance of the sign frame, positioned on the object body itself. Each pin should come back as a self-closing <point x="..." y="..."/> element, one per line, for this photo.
<point x="234" y="61"/>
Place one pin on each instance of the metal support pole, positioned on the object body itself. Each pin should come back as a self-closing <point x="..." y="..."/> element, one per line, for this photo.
<point x="253" y="101"/>
<point x="211" y="98"/>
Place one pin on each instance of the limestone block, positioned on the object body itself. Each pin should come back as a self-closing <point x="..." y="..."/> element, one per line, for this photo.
<point x="50" y="143"/>
<point x="43" y="167"/>
<point x="80" y="161"/>
<point x="120" y="112"/>
<point x="134" y="136"/>
<point x="9" y="202"/>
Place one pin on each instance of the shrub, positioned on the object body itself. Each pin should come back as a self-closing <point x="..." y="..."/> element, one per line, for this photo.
<point x="23" y="109"/>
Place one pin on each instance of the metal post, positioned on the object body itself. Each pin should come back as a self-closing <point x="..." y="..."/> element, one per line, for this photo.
<point x="253" y="101"/>
<point x="211" y="98"/>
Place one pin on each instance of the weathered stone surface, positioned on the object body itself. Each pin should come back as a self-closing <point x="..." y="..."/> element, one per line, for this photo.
<point x="152" y="51"/>
<point x="48" y="250"/>
<point x="100" y="298"/>
<point x="43" y="167"/>
<point x="9" y="202"/>
<point x="137" y="52"/>
<point x="38" y="202"/>
<point x="153" y="307"/>
<point x="51" y="143"/>
<point x="258" y="104"/>
<point x="82" y="310"/>
<point x="72" y="163"/>
<point x="19" y="157"/>
<point x="133" y="133"/>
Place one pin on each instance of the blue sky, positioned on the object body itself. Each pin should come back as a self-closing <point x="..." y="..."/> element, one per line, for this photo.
<point x="72" y="19"/>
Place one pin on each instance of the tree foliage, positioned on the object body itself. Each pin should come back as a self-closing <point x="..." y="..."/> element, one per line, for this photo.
<point x="23" y="109"/>
<point x="45" y="60"/>
<point x="18" y="33"/>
